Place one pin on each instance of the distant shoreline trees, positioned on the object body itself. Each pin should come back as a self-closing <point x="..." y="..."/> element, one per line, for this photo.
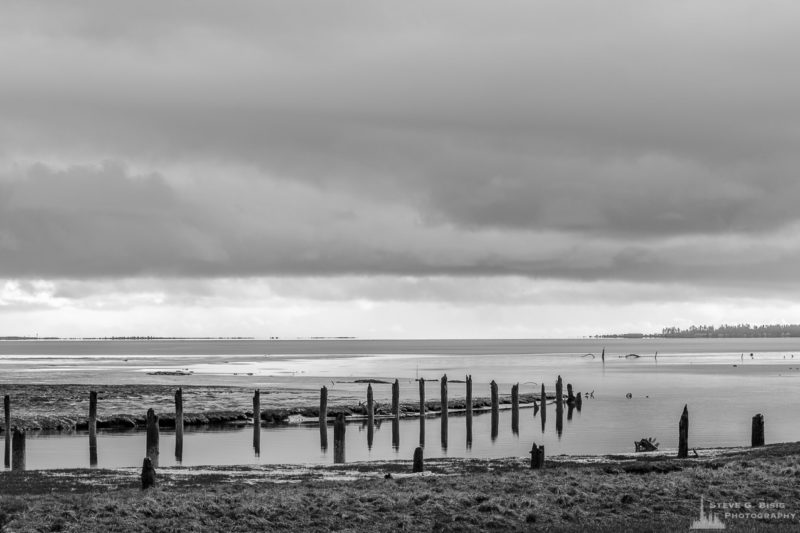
<point x="725" y="330"/>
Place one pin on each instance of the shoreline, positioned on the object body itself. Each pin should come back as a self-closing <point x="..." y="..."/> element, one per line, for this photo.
<point x="645" y="492"/>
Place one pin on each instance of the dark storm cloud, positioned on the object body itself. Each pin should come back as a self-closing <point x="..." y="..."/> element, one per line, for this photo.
<point x="544" y="139"/>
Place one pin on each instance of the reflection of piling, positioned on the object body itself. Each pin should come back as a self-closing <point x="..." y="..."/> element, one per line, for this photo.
<point x="422" y="411"/>
<point x="469" y="411"/>
<point x="757" y="438"/>
<point x="370" y="417"/>
<point x="683" y="434"/>
<point x="395" y="433"/>
<point x="603" y="356"/>
<point x="152" y="437"/>
<point x="578" y="401"/>
<point x="418" y="466"/>
<point x="257" y="422"/>
<point x="443" y="384"/>
<point x="543" y="401"/>
<point x="559" y="420"/>
<point x="179" y="425"/>
<point x="396" y="399"/>
<point x="7" y="413"/>
<point x="323" y="418"/>
<point x="570" y="408"/>
<point x="537" y="456"/>
<point x="18" y="450"/>
<point x="338" y="439"/>
<point x="495" y="409"/>
<point x="92" y="428"/>
<point x="515" y="408"/>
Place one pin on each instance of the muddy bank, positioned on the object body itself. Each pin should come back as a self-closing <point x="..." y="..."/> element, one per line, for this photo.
<point x="65" y="407"/>
<point x="648" y="492"/>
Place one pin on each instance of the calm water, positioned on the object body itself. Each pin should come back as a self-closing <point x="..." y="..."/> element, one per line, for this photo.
<point x="722" y="388"/>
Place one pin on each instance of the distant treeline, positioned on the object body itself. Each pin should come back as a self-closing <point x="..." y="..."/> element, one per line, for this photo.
<point x="725" y="330"/>
<point x="137" y="338"/>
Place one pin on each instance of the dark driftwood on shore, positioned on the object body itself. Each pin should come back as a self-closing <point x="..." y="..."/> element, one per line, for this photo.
<point x="683" y="434"/>
<point x="757" y="437"/>
<point x="151" y="447"/>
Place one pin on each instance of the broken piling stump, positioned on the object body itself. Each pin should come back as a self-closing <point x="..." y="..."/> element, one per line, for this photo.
<point x="179" y="425"/>
<point x="18" y="450"/>
<point x="418" y="466"/>
<point x="537" y="457"/>
<point x="578" y="401"/>
<point x="543" y="401"/>
<point x="570" y="395"/>
<point x="148" y="474"/>
<point x="422" y="411"/>
<point x="92" y="428"/>
<point x="443" y="385"/>
<point x="370" y="416"/>
<point x="757" y="437"/>
<point x="396" y="399"/>
<point x="152" y="437"/>
<point x="323" y="418"/>
<point x="7" y="416"/>
<point x="683" y="434"/>
<point x="515" y="408"/>
<point x="257" y="422"/>
<point x="469" y="410"/>
<point x="495" y="409"/>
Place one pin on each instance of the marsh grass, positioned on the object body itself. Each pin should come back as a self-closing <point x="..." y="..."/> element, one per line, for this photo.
<point x="463" y="495"/>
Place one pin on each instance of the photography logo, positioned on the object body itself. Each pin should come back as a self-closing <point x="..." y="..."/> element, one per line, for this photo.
<point x="707" y="521"/>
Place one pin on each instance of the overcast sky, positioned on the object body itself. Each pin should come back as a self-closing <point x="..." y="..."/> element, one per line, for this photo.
<point x="397" y="169"/>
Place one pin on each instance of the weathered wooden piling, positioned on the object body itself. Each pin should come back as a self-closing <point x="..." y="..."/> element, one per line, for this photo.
<point x="570" y="395"/>
<point x="495" y="409"/>
<point x="537" y="457"/>
<point x="543" y="401"/>
<point x="18" y="450"/>
<point x="7" y="416"/>
<point x="683" y="434"/>
<point x="757" y="437"/>
<point x="422" y="411"/>
<point x="152" y="436"/>
<point x="370" y="416"/>
<point x="469" y="410"/>
<point x="603" y="356"/>
<point x="559" y="395"/>
<point x="443" y="387"/>
<point x="515" y="408"/>
<point x="92" y="428"/>
<point x="578" y="401"/>
<point x="257" y="421"/>
<point x="396" y="399"/>
<point x="338" y="439"/>
<point x="323" y="418"/>
<point x="148" y="474"/>
<point x="179" y="425"/>
<point x="418" y="465"/>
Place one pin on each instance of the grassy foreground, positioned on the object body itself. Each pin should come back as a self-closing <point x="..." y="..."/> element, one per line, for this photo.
<point x="648" y="493"/>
